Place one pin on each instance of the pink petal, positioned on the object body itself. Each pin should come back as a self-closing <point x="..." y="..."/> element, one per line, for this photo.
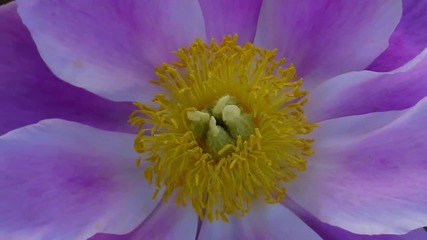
<point x="63" y="180"/>
<point x="365" y="91"/>
<point x="329" y="232"/>
<point x="326" y="38"/>
<point x="263" y="222"/>
<point x="223" y="17"/>
<point x="166" y="222"/>
<point x="110" y="47"/>
<point x="368" y="174"/>
<point x="408" y="40"/>
<point x="29" y="92"/>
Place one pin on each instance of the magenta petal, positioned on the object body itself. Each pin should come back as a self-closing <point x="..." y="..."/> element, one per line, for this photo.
<point x="110" y="47"/>
<point x="263" y="222"/>
<point x="29" y="92"/>
<point x="408" y="40"/>
<point x="224" y="17"/>
<point x="364" y="92"/>
<point x="63" y="180"/>
<point x="368" y="173"/>
<point x="329" y="232"/>
<point x="167" y="221"/>
<point x="326" y="38"/>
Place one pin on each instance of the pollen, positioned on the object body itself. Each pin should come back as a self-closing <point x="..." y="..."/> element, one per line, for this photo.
<point x="227" y="129"/>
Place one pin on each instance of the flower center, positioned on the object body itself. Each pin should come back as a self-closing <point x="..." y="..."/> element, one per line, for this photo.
<point x="218" y="127"/>
<point x="227" y="130"/>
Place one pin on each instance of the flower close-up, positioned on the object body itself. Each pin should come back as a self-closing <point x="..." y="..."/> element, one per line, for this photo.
<point x="205" y="120"/>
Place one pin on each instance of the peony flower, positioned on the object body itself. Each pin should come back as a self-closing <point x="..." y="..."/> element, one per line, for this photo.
<point x="251" y="119"/>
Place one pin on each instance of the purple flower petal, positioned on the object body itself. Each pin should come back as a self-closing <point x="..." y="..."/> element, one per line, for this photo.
<point x="63" y="180"/>
<point x="408" y="40"/>
<point x="326" y="38"/>
<point x="364" y="92"/>
<point x="29" y="92"/>
<point x="368" y="174"/>
<point x="263" y="222"/>
<point x="110" y="47"/>
<point x="224" y="17"/>
<point x="329" y="232"/>
<point x="166" y="222"/>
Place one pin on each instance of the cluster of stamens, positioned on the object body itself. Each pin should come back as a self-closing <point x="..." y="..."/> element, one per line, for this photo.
<point x="227" y="130"/>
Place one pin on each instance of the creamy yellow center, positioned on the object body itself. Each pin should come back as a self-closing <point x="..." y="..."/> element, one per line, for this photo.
<point x="228" y="128"/>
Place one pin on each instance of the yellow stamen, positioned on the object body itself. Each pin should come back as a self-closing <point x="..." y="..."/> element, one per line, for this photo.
<point x="228" y="128"/>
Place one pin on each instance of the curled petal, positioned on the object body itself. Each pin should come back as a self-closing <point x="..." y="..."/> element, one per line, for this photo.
<point x="329" y="232"/>
<point x="365" y="91"/>
<point x="408" y="40"/>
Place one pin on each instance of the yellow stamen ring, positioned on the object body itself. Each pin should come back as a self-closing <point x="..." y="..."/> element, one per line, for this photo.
<point x="226" y="131"/>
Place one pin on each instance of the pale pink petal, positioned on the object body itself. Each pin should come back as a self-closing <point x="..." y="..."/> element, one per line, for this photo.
<point x="166" y="222"/>
<point x="64" y="180"/>
<point x="263" y="222"/>
<point x="366" y="91"/>
<point x="408" y="40"/>
<point x="368" y="173"/>
<point x="29" y="92"/>
<point x="326" y="38"/>
<point x="225" y="17"/>
<point x="110" y="47"/>
<point x="329" y="232"/>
